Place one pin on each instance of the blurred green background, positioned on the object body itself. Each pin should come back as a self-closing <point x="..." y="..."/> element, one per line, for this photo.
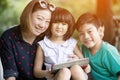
<point x="10" y="10"/>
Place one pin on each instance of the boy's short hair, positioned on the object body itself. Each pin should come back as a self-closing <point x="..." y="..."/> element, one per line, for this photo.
<point x="88" y="18"/>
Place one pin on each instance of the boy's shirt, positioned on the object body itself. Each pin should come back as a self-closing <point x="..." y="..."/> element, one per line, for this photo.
<point x="105" y="63"/>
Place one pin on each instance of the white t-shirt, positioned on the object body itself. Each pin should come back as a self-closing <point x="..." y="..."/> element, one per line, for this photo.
<point x="56" y="54"/>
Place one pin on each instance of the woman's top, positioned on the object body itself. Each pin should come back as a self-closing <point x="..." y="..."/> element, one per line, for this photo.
<point x="17" y="55"/>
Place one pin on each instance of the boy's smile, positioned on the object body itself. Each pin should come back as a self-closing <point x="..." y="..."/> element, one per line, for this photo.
<point x="89" y="35"/>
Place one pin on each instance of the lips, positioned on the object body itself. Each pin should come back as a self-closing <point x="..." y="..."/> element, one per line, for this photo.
<point x="58" y="31"/>
<point x="87" y="41"/>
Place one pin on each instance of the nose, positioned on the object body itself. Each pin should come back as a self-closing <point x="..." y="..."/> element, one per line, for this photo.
<point x="59" y="25"/>
<point x="86" y="35"/>
<point x="42" y="24"/>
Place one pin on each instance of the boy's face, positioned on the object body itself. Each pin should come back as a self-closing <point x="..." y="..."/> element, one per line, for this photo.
<point x="89" y="35"/>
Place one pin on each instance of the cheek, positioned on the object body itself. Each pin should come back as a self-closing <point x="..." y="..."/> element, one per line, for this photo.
<point x="81" y="38"/>
<point x="46" y="27"/>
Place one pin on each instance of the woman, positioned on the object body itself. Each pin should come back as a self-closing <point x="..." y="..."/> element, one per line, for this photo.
<point x="18" y="44"/>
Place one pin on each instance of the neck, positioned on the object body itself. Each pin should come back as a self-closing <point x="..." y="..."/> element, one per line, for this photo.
<point x="28" y="37"/>
<point x="58" y="40"/>
<point x="96" y="48"/>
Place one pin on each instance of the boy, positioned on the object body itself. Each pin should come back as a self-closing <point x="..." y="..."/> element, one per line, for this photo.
<point x="104" y="58"/>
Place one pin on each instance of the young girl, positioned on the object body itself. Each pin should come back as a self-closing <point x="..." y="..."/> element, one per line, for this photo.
<point x="57" y="47"/>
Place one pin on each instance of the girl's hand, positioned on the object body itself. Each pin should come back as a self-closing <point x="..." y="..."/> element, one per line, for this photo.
<point x="49" y="75"/>
<point x="87" y="69"/>
<point x="73" y="57"/>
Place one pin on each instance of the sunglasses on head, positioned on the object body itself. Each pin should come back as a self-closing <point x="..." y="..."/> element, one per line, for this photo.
<point x="45" y="4"/>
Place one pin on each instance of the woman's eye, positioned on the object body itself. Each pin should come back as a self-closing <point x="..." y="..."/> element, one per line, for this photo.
<point x="48" y="22"/>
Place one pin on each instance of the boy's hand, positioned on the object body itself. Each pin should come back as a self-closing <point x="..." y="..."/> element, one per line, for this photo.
<point x="87" y="69"/>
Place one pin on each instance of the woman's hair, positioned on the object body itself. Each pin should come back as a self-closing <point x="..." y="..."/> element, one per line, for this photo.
<point x="25" y="19"/>
<point x="88" y="18"/>
<point x="62" y="15"/>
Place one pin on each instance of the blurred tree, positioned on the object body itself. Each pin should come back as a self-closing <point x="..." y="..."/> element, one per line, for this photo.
<point x="10" y="11"/>
<point x="104" y="11"/>
<point x="3" y="5"/>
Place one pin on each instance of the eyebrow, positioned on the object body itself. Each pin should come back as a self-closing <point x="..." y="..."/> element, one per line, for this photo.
<point x="43" y="17"/>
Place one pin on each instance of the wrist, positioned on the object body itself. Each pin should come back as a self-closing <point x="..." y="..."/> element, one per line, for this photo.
<point x="45" y="73"/>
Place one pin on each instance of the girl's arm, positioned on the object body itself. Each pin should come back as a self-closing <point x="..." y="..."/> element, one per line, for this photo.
<point x="80" y="55"/>
<point x="38" y="72"/>
<point x="78" y="52"/>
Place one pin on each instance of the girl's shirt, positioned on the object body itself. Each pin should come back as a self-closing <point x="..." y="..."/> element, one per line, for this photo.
<point x="105" y="63"/>
<point x="56" y="54"/>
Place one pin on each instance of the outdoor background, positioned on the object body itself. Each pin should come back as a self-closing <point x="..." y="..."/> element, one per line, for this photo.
<point x="107" y="10"/>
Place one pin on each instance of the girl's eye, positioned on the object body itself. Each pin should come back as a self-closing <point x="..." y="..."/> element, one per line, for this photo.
<point x="64" y="23"/>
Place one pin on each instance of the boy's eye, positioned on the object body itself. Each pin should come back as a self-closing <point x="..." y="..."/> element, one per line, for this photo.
<point x="89" y="31"/>
<point x="39" y="18"/>
<point x="81" y="34"/>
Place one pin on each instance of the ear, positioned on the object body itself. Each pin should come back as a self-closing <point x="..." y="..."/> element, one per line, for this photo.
<point x="101" y="31"/>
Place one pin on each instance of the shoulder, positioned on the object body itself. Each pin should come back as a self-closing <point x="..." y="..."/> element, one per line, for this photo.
<point x="9" y="32"/>
<point x="72" y="40"/>
<point x="108" y="47"/>
<point x="109" y="50"/>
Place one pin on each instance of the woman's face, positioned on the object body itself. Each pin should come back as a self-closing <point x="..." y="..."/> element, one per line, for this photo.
<point x="40" y="21"/>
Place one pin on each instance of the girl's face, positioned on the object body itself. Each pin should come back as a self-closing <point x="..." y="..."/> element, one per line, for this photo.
<point x="89" y="35"/>
<point x="40" y="21"/>
<point x="59" y="29"/>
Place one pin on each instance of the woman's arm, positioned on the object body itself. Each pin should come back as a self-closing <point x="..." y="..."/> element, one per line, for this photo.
<point x="7" y="57"/>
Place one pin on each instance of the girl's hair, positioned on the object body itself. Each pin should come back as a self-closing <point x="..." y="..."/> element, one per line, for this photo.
<point x="25" y="19"/>
<point x="88" y="18"/>
<point x="62" y="15"/>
